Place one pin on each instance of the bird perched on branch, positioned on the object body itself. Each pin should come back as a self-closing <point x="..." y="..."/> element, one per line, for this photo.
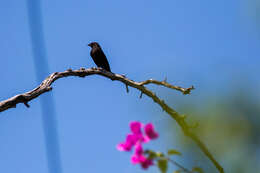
<point x="98" y="56"/>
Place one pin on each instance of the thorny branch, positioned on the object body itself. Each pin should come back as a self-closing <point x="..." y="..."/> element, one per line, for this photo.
<point x="45" y="86"/>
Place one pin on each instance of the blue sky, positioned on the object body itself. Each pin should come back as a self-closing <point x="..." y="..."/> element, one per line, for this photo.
<point x="210" y="44"/>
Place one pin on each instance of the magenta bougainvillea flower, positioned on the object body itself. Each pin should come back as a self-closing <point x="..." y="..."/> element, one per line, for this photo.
<point x="136" y="139"/>
<point x="138" y="157"/>
<point x="131" y="140"/>
<point x="135" y="127"/>
<point x="149" y="131"/>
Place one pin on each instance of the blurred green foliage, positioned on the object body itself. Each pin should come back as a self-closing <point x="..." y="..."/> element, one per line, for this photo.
<point x="229" y="125"/>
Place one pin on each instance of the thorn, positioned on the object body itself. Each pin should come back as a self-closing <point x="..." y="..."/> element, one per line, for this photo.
<point x="69" y="69"/>
<point x="26" y="104"/>
<point x="194" y="125"/>
<point x="141" y="95"/>
<point x="186" y="91"/>
<point x="165" y="79"/>
<point x="127" y="89"/>
<point x="55" y="73"/>
<point x="183" y="116"/>
<point x="23" y="99"/>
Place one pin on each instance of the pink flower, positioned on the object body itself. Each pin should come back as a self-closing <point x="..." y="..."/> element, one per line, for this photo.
<point x="124" y="147"/>
<point x="136" y="139"/>
<point x="135" y="127"/>
<point x="150" y="132"/>
<point x="146" y="163"/>
<point x="139" y="150"/>
<point x="131" y="140"/>
<point x="138" y="157"/>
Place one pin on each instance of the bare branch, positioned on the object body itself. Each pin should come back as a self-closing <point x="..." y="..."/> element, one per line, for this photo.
<point x="45" y="86"/>
<point x="166" y="84"/>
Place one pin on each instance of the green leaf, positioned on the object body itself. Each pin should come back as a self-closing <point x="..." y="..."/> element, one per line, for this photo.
<point x="173" y="152"/>
<point x="197" y="169"/>
<point x="147" y="151"/>
<point x="163" y="165"/>
<point x="152" y="155"/>
<point x="159" y="154"/>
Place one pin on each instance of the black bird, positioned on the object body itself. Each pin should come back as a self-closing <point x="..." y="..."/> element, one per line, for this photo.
<point x="98" y="56"/>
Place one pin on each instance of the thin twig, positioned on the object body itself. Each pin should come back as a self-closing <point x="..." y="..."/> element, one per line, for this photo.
<point x="179" y="165"/>
<point x="166" y="84"/>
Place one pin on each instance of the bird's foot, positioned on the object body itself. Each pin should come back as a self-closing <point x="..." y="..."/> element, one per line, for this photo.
<point x="82" y="68"/>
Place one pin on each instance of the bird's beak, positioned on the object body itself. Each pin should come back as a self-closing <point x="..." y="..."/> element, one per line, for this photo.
<point x="89" y="45"/>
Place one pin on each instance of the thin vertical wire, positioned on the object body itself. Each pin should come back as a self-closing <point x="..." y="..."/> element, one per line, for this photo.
<point x="42" y="70"/>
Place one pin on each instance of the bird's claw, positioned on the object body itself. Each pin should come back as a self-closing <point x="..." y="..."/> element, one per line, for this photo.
<point x="82" y="68"/>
